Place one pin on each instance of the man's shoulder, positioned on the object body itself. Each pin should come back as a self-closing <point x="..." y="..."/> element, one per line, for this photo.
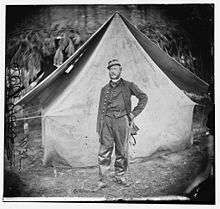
<point x="126" y="82"/>
<point x="105" y="86"/>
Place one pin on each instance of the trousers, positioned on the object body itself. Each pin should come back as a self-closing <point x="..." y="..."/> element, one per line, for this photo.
<point x="114" y="134"/>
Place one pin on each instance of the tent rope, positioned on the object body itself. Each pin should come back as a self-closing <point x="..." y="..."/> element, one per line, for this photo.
<point x="32" y="117"/>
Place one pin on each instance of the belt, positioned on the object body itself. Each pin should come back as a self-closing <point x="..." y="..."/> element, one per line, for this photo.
<point x="116" y="114"/>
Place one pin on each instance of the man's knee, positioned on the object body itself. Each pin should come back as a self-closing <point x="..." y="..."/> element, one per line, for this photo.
<point x="104" y="152"/>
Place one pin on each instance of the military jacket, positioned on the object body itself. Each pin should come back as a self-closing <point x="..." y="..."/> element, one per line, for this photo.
<point x="128" y="89"/>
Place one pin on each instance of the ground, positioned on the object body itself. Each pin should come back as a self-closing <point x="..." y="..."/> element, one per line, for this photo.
<point x="167" y="174"/>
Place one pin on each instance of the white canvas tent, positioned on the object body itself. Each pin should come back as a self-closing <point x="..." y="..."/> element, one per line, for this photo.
<point x="69" y="98"/>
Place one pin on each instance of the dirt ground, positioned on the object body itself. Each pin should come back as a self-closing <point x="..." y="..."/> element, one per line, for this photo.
<point x="168" y="174"/>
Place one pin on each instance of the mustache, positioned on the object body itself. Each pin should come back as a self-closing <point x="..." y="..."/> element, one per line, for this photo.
<point x="114" y="73"/>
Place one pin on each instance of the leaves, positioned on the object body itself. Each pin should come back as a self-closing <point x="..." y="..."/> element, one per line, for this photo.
<point x="61" y="40"/>
<point x="58" y="58"/>
<point x="31" y="50"/>
<point x="70" y="49"/>
<point x="172" y="40"/>
<point x="48" y="47"/>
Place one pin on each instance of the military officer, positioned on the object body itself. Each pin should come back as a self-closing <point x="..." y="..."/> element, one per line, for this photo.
<point x="114" y="117"/>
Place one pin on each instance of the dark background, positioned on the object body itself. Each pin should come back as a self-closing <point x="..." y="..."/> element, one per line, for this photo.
<point x="193" y="23"/>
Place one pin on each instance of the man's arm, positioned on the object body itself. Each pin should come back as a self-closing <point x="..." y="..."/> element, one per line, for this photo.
<point x="142" y="99"/>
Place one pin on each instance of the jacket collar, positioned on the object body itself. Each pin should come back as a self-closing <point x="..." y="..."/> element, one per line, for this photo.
<point x="114" y="84"/>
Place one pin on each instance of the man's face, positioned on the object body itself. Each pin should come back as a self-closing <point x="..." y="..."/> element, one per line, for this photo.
<point x="115" y="72"/>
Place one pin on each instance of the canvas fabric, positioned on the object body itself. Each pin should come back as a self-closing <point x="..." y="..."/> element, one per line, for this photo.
<point x="69" y="122"/>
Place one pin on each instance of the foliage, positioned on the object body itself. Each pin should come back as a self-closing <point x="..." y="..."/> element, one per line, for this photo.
<point x="13" y="90"/>
<point x="61" y="40"/>
<point x="172" y="40"/>
<point x="30" y="52"/>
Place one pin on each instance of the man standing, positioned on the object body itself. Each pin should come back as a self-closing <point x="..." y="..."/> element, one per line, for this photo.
<point x="113" y="122"/>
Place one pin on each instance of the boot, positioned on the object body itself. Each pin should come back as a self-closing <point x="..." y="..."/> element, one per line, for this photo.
<point x="122" y="181"/>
